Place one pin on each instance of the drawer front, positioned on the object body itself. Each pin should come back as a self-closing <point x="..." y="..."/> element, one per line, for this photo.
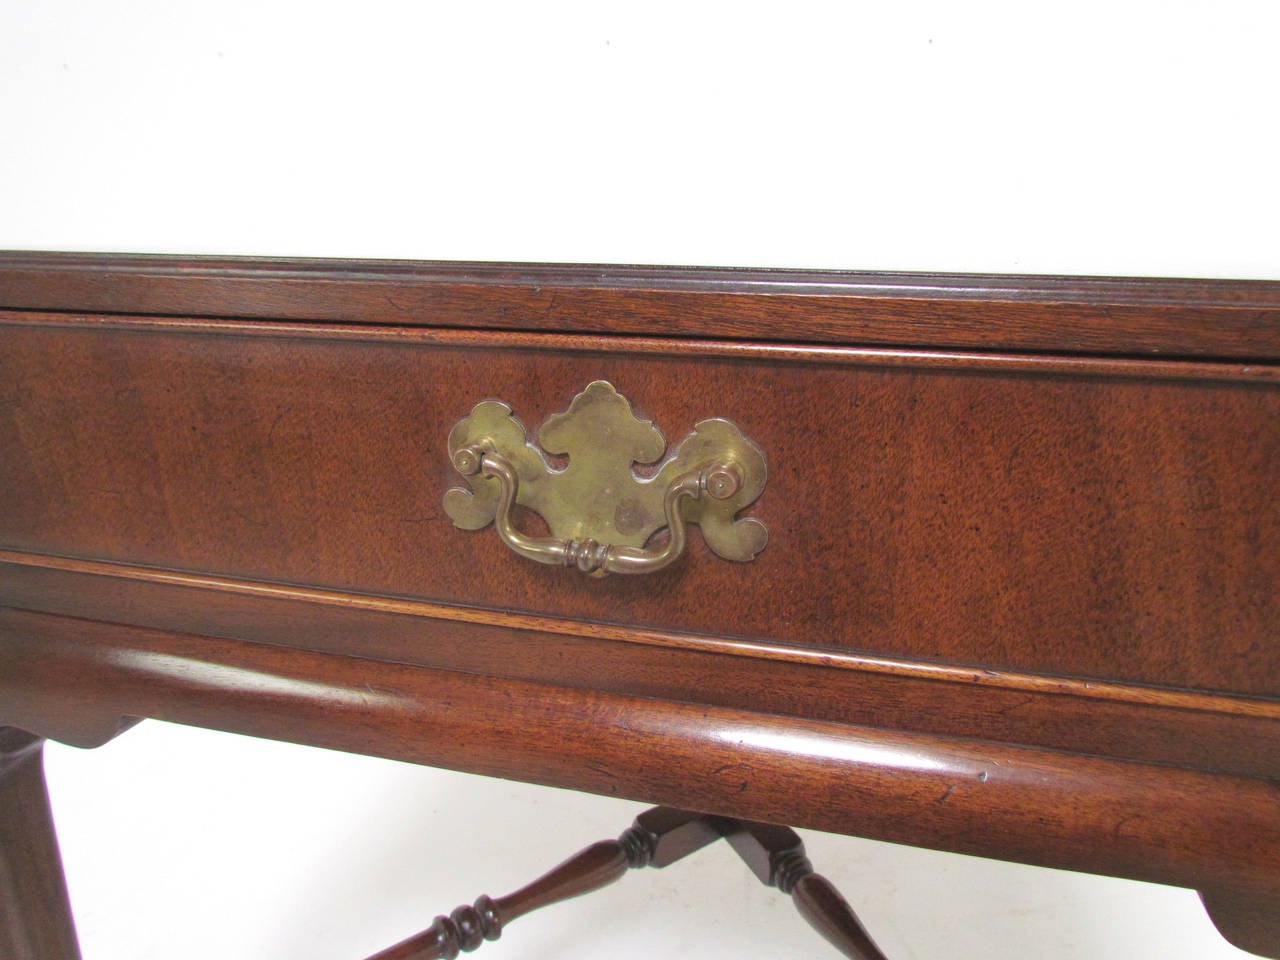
<point x="1105" y="519"/>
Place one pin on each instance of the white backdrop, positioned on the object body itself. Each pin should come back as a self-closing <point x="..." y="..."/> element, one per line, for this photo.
<point x="1136" y="138"/>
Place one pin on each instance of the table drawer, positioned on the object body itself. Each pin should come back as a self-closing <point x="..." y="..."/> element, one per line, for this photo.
<point x="1108" y="519"/>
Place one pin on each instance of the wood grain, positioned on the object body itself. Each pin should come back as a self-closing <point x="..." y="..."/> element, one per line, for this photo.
<point x="1149" y="822"/>
<point x="1032" y="520"/>
<point x="1190" y="728"/>
<point x="35" y="915"/>
<point x="1206" y="318"/>
<point x="1020" y="598"/>
<point x="933" y="359"/>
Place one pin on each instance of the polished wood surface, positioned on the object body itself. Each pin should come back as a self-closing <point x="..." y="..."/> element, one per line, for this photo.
<point x="73" y="679"/>
<point x="1246" y="916"/>
<point x="1207" y="318"/>
<point x="1019" y="598"/>
<point x="1230" y="734"/>
<point x="1091" y="521"/>
<point x="35" y="916"/>
<point x="659" y="837"/>
<point x="776" y="856"/>
<point x="468" y="927"/>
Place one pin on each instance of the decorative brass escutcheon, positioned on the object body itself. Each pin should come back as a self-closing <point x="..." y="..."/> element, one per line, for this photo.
<point x="600" y="514"/>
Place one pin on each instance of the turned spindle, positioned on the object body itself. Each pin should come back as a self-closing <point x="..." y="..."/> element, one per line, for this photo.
<point x="658" y="838"/>
<point x="776" y="856"/>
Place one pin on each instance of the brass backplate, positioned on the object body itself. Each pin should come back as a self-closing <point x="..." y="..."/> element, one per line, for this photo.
<point x="598" y="495"/>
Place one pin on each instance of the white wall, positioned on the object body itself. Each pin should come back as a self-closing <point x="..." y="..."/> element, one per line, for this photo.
<point x="1135" y="138"/>
<point x="1120" y="138"/>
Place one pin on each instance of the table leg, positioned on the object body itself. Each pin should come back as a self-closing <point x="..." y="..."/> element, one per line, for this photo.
<point x="35" y="914"/>
<point x="1249" y="919"/>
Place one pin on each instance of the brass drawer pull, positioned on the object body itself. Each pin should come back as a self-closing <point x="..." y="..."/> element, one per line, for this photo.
<point x="600" y="514"/>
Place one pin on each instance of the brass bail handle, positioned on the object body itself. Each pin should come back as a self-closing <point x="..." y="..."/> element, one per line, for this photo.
<point x="602" y="516"/>
<point x="720" y="481"/>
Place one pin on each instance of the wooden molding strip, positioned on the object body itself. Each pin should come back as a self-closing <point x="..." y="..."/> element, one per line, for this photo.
<point x="72" y="678"/>
<point x="1119" y="316"/>
<point x="882" y="357"/>
<point x="1166" y="698"/>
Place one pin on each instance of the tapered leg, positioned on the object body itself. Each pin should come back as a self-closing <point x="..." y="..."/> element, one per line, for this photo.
<point x="35" y="915"/>
<point x="1249" y="919"/>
